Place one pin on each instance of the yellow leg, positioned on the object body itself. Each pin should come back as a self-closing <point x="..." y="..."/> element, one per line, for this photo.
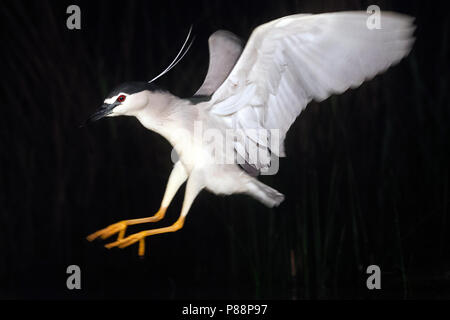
<point x="121" y="227"/>
<point x="140" y="236"/>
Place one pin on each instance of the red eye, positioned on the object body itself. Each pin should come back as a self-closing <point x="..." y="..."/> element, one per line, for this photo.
<point x="121" y="98"/>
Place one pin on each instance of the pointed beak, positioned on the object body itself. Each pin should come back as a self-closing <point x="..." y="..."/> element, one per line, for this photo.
<point x="102" y="112"/>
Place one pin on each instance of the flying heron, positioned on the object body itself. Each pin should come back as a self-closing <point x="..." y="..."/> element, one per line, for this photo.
<point x="257" y="90"/>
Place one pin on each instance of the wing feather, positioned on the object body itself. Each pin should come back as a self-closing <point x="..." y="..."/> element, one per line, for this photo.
<point x="224" y="50"/>
<point x="290" y="61"/>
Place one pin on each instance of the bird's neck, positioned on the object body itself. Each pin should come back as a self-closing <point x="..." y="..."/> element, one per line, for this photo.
<point x="167" y="115"/>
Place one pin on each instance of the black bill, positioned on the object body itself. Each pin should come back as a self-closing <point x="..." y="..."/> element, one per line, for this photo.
<point x="102" y="112"/>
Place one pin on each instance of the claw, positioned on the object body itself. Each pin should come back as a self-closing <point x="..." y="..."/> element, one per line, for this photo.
<point x="119" y="227"/>
<point x="123" y="243"/>
<point x="140" y="236"/>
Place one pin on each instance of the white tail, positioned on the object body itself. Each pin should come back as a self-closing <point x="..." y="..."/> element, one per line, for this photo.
<point x="267" y="195"/>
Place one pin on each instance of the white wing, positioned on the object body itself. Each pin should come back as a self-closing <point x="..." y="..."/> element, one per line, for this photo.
<point x="224" y="50"/>
<point x="290" y="61"/>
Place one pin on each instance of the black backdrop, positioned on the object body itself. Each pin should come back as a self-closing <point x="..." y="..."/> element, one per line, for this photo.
<point x="366" y="178"/>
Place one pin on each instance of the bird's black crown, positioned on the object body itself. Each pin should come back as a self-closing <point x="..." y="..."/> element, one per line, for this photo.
<point x="133" y="87"/>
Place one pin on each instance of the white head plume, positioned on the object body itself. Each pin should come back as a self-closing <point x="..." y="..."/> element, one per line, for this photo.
<point x="178" y="57"/>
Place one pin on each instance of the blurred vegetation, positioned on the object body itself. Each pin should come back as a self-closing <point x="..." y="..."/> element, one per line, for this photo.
<point x="366" y="178"/>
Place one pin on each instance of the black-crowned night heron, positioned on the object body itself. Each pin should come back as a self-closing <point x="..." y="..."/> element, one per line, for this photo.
<point x="250" y="98"/>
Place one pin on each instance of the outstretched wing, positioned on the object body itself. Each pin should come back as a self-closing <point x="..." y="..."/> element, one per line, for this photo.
<point x="290" y="61"/>
<point x="224" y="50"/>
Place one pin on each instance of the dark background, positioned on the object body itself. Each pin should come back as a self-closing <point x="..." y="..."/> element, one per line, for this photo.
<point x="366" y="178"/>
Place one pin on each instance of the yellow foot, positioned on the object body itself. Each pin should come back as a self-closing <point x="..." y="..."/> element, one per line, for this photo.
<point x="121" y="227"/>
<point x="140" y="236"/>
